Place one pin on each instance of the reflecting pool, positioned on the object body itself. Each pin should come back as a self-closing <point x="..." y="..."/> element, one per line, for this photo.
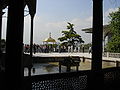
<point x="48" y="68"/>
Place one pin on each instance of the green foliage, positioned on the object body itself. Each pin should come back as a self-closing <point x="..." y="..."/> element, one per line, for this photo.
<point x="70" y="37"/>
<point x="114" y="44"/>
<point x="86" y="46"/>
<point x="115" y="22"/>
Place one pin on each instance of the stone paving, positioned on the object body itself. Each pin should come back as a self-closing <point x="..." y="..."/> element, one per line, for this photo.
<point x="86" y="55"/>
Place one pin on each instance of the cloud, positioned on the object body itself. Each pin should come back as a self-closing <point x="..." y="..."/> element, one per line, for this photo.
<point x="110" y="10"/>
<point x="82" y="23"/>
<point x="43" y="27"/>
<point x="106" y="14"/>
<point x="55" y="24"/>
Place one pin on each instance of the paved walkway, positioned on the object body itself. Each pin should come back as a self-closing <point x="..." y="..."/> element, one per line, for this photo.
<point x="86" y="55"/>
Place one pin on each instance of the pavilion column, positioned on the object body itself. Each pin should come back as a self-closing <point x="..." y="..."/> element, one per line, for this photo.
<point x="97" y="37"/>
<point x="32" y="11"/>
<point x="14" y="45"/>
<point x="0" y="27"/>
<point x="31" y="36"/>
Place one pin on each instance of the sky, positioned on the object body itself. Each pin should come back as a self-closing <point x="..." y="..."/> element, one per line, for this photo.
<point x="52" y="17"/>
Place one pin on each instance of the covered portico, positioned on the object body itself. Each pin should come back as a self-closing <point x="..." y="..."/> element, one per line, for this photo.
<point x="106" y="33"/>
<point x="85" y="80"/>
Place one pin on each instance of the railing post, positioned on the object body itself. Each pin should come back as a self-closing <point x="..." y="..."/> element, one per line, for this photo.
<point x="117" y="64"/>
<point x="29" y="70"/>
<point x="59" y="66"/>
<point x="107" y="54"/>
<point x="83" y="59"/>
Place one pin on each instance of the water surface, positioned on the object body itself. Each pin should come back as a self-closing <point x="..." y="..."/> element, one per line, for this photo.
<point x="48" y="68"/>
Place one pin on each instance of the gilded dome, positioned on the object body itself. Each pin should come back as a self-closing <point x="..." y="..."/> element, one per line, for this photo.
<point x="49" y="39"/>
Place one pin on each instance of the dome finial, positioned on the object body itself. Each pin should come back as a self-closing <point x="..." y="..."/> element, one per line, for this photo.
<point x="50" y="34"/>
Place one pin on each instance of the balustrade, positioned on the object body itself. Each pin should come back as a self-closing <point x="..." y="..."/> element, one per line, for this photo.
<point x="80" y="80"/>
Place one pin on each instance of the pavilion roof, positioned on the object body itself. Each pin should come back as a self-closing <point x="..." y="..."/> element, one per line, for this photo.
<point x="49" y="39"/>
<point x="106" y="30"/>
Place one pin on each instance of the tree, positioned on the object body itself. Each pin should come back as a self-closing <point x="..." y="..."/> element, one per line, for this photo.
<point x="70" y="37"/>
<point x="114" y="43"/>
